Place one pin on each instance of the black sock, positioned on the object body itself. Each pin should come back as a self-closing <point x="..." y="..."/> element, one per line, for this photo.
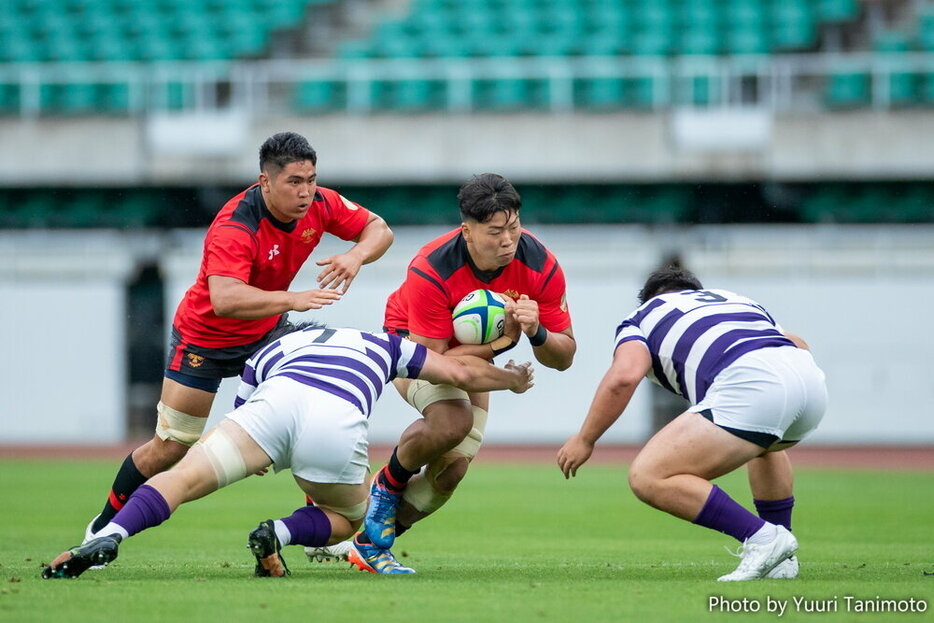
<point x="401" y="529"/>
<point x="127" y="481"/>
<point x="395" y="476"/>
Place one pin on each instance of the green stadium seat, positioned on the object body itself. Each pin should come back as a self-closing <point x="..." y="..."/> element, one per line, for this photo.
<point x="846" y="89"/>
<point x="316" y="96"/>
<point x="837" y="10"/>
<point x="749" y="40"/>
<point x="695" y="40"/>
<point x="600" y="93"/>
<point x="9" y="98"/>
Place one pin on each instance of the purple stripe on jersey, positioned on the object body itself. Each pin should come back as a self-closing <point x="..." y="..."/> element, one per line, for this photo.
<point x="264" y="373"/>
<point x="348" y="364"/>
<point x="654" y="341"/>
<point x="249" y="375"/>
<point x="238" y="402"/>
<point x="693" y="333"/>
<point x="735" y="353"/>
<point x="377" y="358"/>
<point x="347" y="376"/>
<point x="376" y="339"/>
<point x="639" y="316"/>
<point x="416" y="363"/>
<point x="329" y="388"/>
<point x="265" y="350"/>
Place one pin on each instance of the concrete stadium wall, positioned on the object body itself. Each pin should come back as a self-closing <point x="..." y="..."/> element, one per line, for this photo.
<point x="859" y="296"/>
<point x="374" y="149"/>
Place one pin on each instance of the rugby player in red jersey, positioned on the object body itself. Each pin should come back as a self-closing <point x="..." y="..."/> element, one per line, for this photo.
<point x="489" y="250"/>
<point x="252" y="252"/>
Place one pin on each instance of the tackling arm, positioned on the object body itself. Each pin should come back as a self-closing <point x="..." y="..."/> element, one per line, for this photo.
<point x="630" y="364"/>
<point x="473" y="374"/>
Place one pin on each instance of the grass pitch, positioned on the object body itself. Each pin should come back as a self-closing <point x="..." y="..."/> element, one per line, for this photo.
<point x="517" y="543"/>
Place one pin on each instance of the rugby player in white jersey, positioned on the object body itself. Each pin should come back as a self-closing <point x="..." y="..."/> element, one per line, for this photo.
<point x="303" y="404"/>
<point x="754" y="389"/>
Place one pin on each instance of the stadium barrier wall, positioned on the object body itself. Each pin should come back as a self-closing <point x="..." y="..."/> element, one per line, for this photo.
<point x="858" y="295"/>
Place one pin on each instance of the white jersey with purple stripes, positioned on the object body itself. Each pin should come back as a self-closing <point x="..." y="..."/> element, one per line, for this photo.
<point x="350" y="364"/>
<point x="694" y="334"/>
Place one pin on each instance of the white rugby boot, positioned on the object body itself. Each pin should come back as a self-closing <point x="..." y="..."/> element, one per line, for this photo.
<point x="785" y="570"/>
<point x="758" y="560"/>
<point x="329" y="553"/>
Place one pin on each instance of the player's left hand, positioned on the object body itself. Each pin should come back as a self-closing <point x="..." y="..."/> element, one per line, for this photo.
<point x="526" y="314"/>
<point x="574" y="453"/>
<point x="339" y="271"/>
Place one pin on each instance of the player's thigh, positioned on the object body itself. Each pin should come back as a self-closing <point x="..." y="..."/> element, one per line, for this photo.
<point x="188" y="400"/>
<point x="690" y="444"/>
<point x="445" y="409"/>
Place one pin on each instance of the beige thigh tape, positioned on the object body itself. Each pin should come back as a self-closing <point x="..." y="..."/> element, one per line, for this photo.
<point x="225" y="457"/>
<point x="173" y="425"/>
<point x="421" y="394"/>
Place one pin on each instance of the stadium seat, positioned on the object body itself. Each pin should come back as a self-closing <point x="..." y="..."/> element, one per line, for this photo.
<point x="847" y="88"/>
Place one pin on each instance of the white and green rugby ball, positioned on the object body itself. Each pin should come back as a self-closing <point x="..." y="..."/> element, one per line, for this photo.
<point x="479" y="317"/>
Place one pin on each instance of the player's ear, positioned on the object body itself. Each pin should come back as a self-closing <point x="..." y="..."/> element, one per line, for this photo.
<point x="264" y="181"/>
<point x="465" y="231"/>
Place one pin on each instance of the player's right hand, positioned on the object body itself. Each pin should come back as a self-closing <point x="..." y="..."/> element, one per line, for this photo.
<point x="525" y="375"/>
<point x="314" y="299"/>
<point x="574" y="453"/>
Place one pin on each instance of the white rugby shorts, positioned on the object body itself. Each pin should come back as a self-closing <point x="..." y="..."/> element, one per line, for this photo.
<point x="320" y="437"/>
<point x="774" y="391"/>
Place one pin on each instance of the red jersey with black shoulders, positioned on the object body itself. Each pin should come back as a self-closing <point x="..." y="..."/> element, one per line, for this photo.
<point x="442" y="273"/>
<point x="246" y="242"/>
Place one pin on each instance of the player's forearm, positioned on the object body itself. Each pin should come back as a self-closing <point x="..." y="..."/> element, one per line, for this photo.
<point x="248" y="303"/>
<point x="373" y="241"/>
<point x="477" y="375"/>
<point x="608" y="405"/>
<point x="557" y="352"/>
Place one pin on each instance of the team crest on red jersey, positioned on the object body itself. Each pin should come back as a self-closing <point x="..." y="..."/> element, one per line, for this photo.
<point x="194" y="360"/>
<point x="308" y="235"/>
<point x="511" y="293"/>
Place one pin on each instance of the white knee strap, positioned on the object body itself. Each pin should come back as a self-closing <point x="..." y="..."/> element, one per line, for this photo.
<point x="173" y="425"/>
<point x="225" y="457"/>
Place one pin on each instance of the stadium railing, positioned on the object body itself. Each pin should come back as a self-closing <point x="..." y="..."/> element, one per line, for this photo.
<point x="784" y="83"/>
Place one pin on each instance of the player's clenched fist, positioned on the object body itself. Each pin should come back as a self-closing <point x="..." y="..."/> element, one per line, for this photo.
<point x="526" y="314"/>
<point x="314" y="299"/>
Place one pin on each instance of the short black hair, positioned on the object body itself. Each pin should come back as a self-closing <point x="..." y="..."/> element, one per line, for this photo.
<point x="284" y="148"/>
<point x="668" y="279"/>
<point x="485" y="195"/>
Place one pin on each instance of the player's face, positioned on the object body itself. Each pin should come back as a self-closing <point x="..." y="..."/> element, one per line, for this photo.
<point x="289" y="192"/>
<point x="493" y="244"/>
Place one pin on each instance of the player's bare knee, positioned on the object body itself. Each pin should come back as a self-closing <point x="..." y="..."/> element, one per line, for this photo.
<point x="643" y="483"/>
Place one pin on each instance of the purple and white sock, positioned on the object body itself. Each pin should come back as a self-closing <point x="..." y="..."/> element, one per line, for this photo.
<point x="308" y="526"/>
<point x="145" y="508"/>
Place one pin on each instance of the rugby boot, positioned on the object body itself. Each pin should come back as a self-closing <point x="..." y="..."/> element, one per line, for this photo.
<point x="265" y="546"/>
<point x="368" y="557"/>
<point x="380" y="521"/>
<point x="78" y="559"/>
<point x="328" y="553"/>
<point x="758" y="560"/>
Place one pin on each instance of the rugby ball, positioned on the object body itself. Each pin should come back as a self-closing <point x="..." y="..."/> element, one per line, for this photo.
<point x="479" y="317"/>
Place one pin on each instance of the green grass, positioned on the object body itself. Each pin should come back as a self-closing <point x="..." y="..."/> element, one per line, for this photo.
<point x="517" y="543"/>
